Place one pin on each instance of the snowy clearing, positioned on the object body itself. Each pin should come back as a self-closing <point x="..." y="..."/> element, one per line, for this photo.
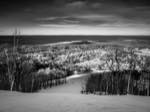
<point x="74" y="85"/>
<point x="54" y="102"/>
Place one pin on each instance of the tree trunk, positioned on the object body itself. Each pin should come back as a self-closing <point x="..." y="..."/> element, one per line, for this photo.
<point x="118" y="90"/>
<point x="32" y="85"/>
<point x="148" y="89"/>
<point x="128" y="87"/>
<point x="107" y="88"/>
<point x="12" y="85"/>
<point x="112" y="85"/>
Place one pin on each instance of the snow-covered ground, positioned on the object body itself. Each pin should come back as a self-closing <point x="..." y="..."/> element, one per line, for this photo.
<point x="67" y="98"/>
<point x="143" y="52"/>
<point x="55" y="102"/>
<point x="62" y="43"/>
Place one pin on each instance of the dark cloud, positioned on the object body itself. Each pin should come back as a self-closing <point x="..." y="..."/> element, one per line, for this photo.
<point x="86" y="19"/>
<point x="83" y="12"/>
<point x="31" y="13"/>
<point x="9" y="6"/>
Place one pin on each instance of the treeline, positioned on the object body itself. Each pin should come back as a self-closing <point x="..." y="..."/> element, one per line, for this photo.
<point x="129" y="74"/>
<point x="117" y="83"/>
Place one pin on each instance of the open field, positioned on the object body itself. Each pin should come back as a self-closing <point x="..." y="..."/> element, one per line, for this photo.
<point x="56" y="102"/>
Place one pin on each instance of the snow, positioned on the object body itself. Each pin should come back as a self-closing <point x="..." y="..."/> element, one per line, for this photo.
<point x="67" y="98"/>
<point x="144" y="52"/>
<point x="75" y="76"/>
<point x="55" y="102"/>
<point x="99" y="71"/>
<point x="60" y="43"/>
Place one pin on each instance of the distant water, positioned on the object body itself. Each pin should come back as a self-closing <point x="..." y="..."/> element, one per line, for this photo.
<point x="32" y="40"/>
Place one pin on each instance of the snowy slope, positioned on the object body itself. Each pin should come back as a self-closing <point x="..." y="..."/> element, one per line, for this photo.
<point x="55" y="102"/>
<point x="67" y="98"/>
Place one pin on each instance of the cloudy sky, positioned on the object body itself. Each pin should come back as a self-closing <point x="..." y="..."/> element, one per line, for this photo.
<point x="75" y="17"/>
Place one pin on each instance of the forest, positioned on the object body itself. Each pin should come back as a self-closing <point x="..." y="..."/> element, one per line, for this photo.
<point x="114" y="69"/>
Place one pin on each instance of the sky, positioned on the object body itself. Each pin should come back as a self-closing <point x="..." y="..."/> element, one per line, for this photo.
<point x="75" y="17"/>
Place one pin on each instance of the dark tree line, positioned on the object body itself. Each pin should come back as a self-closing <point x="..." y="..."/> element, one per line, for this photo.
<point x="26" y="78"/>
<point x="112" y="83"/>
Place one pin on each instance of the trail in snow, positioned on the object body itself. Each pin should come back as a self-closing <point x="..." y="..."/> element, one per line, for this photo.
<point x="74" y="85"/>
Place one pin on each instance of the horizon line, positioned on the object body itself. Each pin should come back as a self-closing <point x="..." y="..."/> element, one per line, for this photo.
<point x="71" y="35"/>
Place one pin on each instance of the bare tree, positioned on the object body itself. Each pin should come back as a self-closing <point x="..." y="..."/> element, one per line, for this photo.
<point x="114" y="59"/>
<point x="11" y="56"/>
<point x="144" y="64"/>
<point x="131" y="58"/>
<point x="113" y="63"/>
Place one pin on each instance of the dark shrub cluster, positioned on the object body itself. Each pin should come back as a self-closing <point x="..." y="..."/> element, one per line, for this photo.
<point x="25" y="76"/>
<point x="4" y="83"/>
<point x="113" y="83"/>
<point x="54" y="78"/>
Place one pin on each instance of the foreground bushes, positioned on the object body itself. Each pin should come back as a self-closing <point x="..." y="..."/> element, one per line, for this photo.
<point x="113" y="83"/>
<point x="41" y="81"/>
